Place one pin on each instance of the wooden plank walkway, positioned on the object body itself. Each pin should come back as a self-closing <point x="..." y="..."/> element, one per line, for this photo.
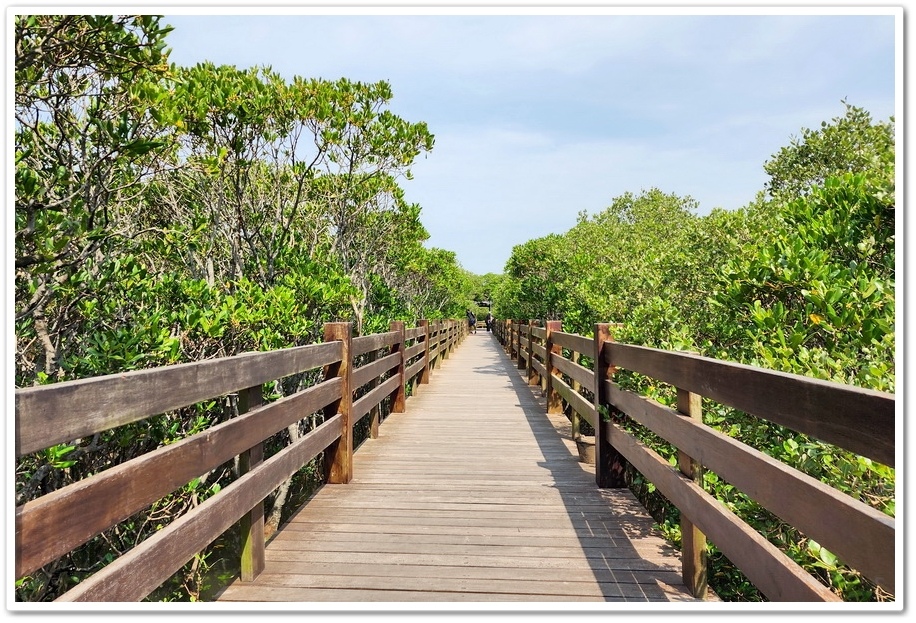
<point x="474" y="494"/>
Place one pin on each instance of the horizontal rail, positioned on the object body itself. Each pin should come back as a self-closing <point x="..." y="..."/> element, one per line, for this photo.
<point x="372" y="371"/>
<point x="580" y="405"/>
<point x="368" y="343"/>
<point x="141" y="570"/>
<point x="61" y="412"/>
<point x="767" y="481"/>
<point x="365" y="404"/>
<point x="859" y="420"/>
<point x="56" y="523"/>
<point x="583" y="376"/>
<point x="414" y="333"/>
<point x="413" y="351"/>
<point x="776" y="575"/>
<point x="574" y="342"/>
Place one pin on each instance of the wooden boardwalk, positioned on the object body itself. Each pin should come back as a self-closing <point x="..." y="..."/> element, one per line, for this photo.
<point x="473" y="495"/>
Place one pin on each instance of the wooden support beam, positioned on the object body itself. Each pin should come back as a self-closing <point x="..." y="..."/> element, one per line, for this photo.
<point x="339" y="455"/>
<point x="609" y="463"/>
<point x="399" y="395"/>
<point x="693" y="541"/>
<point x="554" y="401"/>
<point x="252" y="523"/>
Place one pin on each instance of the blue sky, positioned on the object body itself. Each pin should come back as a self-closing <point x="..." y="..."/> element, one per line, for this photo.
<point x="539" y="117"/>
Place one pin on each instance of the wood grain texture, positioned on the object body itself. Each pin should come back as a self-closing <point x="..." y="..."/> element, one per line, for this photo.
<point x="573" y="341"/>
<point x="583" y="376"/>
<point x="773" y="572"/>
<point x="860" y="535"/>
<point x="138" y="572"/>
<point x="62" y="412"/>
<point x="366" y="343"/>
<point x="54" y="524"/>
<point x="473" y="494"/>
<point x="859" y="420"/>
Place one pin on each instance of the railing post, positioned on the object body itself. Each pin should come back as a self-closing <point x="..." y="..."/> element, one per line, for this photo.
<point x="438" y="358"/>
<point x="375" y="413"/>
<point x="693" y="550"/>
<point x="513" y="333"/>
<point x="609" y="463"/>
<point x="574" y="418"/>
<point x="424" y="373"/>
<point x="399" y="395"/>
<point x="252" y="523"/>
<point x="554" y="401"/>
<point x="521" y="362"/>
<point x="532" y="373"/>
<point x="338" y="456"/>
<point x="443" y="339"/>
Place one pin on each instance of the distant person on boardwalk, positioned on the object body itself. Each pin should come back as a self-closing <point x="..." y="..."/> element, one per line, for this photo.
<point x="489" y="322"/>
<point x="472" y="321"/>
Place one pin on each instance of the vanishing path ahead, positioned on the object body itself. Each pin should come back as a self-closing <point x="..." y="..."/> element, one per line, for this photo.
<point x="473" y="494"/>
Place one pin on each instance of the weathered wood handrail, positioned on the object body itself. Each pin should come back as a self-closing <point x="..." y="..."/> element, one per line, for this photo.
<point x="855" y="419"/>
<point x="54" y="524"/>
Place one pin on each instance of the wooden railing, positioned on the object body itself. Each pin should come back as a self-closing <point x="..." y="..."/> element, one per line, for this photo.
<point x="859" y="420"/>
<point x="57" y="523"/>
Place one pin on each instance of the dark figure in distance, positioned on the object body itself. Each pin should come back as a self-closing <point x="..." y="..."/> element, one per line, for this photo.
<point x="489" y="322"/>
<point x="472" y="321"/>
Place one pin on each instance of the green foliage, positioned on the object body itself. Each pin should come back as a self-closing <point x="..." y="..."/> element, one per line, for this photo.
<point x="852" y="143"/>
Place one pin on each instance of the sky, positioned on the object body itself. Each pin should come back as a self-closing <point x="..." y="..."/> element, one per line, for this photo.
<point x="540" y="117"/>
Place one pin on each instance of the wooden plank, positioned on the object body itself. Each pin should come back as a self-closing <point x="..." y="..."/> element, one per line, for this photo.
<point x="137" y="573"/>
<point x="775" y="574"/>
<point x="579" y="404"/>
<point x="367" y="343"/>
<point x="362" y="406"/>
<point x="414" y="332"/>
<point x="62" y="412"/>
<point x="577" y="373"/>
<point x="56" y="523"/>
<point x="539" y="368"/>
<point x="860" y="535"/>
<point x="416" y="349"/>
<point x="539" y="332"/>
<point x="860" y="420"/>
<point x="573" y="341"/>
<point x="415" y="369"/>
<point x="371" y="371"/>
<point x="539" y="351"/>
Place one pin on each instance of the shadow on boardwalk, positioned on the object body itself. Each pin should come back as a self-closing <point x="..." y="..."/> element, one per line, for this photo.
<point x="628" y="557"/>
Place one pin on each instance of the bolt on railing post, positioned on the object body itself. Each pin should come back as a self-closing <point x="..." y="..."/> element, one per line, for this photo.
<point x="399" y="395"/>
<point x="554" y="401"/>
<point x="252" y="523"/>
<point x="339" y="455"/>
<point x="693" y="550"/>
<point x="609" y="463"/>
